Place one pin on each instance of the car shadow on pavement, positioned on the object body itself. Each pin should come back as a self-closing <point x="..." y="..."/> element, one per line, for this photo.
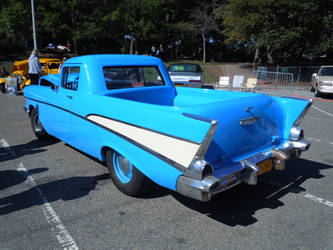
<point x="238" y="205"/>
<point x="17" y="151"/>
<point x="64" y="189"/>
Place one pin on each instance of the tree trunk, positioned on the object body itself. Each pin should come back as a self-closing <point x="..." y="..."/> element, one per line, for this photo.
<point x="132" y="44"/>
<point x="257" y="58"/>
<point x="203" y="47"/>
<point x="75" y="46"/>
<point x="269" y="55"/>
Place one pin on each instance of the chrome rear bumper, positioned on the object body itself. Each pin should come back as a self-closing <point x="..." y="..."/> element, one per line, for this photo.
<point x="244" y="171"/>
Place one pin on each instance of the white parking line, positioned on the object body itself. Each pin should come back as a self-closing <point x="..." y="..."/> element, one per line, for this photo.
<point x="318" y="140"/>
<point x="313" y="118"/>
<point x="313" y="139"/>
<point x="295" y="190"/>
<point x="322" y="111"/>
<point x="63" y="236"/>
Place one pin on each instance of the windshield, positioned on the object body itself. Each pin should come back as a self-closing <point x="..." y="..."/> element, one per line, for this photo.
<point x="132" y="77"/>
<point x="184" y="68"/>
<point x="326" y="71"/>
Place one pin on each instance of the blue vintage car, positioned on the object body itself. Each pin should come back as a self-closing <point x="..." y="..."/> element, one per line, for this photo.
<point x="125" y="111"/>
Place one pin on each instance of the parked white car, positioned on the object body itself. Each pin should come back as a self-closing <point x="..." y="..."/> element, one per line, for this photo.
<point x="322" y="82"/>
<point x="186" y="74"/>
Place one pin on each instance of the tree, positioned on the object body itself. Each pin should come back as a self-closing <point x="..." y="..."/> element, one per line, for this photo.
<point x="203" y="22"/>
<point x="286" y="28"/>
<point x="13" y="28"/>
<point x="139" y="19"/>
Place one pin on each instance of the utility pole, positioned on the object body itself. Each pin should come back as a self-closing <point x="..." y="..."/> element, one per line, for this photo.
<point x="33" y="24"/>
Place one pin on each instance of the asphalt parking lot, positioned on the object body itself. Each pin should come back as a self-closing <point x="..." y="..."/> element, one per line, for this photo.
<point x="54" y="197"/>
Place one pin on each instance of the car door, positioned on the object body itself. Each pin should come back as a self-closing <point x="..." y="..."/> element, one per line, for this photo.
<point x="61" y="117"/>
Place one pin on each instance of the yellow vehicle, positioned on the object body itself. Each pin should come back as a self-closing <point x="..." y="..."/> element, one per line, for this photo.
<point x="21" y="70"/>
<point x="3" y="75"/>
<point x="2" y="84"/>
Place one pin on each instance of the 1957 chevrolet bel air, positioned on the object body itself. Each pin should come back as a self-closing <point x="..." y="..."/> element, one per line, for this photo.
<point x="125" y="111"/>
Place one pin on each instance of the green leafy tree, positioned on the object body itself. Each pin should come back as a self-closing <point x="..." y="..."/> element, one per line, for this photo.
<point x="285" y="28"/>
<point x="142" y="20"/>
<point x="203" y="22"/>
<point x="13" y="20"/>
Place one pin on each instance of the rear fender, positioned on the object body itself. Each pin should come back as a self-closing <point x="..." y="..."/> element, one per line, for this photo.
<point x="292" y="112"/>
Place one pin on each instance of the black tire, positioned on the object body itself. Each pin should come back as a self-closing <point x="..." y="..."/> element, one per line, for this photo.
<point x="312" y="89"/>
<point x="37" y="126"/>
<point x="317" y="93"/>
<point x="135" y="183"/>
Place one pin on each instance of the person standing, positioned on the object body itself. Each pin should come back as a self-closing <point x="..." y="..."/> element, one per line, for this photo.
<point x="153" y="50"/>
<point x="68" y="46"/>
<point x="35" y="70"/>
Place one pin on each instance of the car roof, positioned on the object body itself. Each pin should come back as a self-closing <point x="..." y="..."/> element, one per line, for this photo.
<point x="115" y="59"/>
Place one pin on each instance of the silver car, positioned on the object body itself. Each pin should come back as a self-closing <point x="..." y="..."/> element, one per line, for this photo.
<point x="322" y="83"/>
<point x="186" y="74"/>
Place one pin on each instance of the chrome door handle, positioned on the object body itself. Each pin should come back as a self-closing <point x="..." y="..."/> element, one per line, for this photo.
<point x="248" y="121"/>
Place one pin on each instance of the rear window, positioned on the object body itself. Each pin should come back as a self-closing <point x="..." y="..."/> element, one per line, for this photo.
<point x="184" y="68"/>
<point x="132" y="77"/>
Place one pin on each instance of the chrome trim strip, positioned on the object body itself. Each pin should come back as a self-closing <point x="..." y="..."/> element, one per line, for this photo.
<point x="207" y="140"/>
<point x="196" y="168"/>
<point x="209" y="136"/>
<point x="297" y="98"/>
<point x="304" y="112"/>
<point x="198" y="117"/>
<point x="296" y="133"/>
<point x="302" y="115"/>
<point x="248" y="121"/>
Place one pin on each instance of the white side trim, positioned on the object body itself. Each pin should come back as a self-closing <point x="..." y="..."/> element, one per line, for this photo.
<point x="175" y="149"/>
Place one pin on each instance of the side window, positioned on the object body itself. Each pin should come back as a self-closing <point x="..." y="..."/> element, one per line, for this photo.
<point x="70" y="78"/>
<point x="152" y="76"/>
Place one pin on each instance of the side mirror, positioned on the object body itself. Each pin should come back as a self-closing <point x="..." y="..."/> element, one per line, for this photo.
<point x="314" y="75"/>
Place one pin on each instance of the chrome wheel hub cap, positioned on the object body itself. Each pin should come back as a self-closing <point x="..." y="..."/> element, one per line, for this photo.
<point x="124" y="165"/>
